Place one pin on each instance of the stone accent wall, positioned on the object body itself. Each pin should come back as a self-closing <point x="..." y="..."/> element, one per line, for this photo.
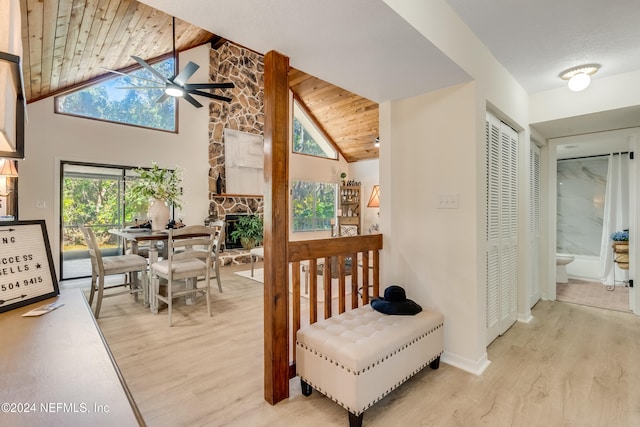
<point x="245" y="113"/>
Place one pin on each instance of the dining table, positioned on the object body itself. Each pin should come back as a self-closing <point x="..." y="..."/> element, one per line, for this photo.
<point x="137" y="235"/>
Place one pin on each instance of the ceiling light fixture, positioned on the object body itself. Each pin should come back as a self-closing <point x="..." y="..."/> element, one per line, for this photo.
<point x="579" y="77"/>
<point x="174" y="91"/>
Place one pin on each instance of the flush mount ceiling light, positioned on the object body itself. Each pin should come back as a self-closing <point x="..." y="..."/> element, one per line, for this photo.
<point x="579" y="77"/>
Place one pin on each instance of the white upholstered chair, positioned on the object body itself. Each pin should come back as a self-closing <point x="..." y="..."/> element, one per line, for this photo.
<point x="128" y="265"/>
<point x="190" y="257"/>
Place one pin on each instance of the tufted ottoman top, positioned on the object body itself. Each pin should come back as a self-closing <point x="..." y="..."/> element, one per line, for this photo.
<point x="357" y="339"/>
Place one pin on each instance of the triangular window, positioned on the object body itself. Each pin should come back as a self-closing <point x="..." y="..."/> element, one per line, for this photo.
<point x="307" y="139"/>
<point x="117" y="100"/>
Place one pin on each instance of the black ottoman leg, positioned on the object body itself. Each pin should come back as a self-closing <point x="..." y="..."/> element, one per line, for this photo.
<point x="435" y="364"/>
<point x="355" y="421"/>
<point x="306" y="388"/>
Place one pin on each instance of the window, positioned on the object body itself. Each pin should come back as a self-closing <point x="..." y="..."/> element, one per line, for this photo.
<point x="111" y="101"/>
<point x="313" y="205"/>
<point x="307" y="139"/>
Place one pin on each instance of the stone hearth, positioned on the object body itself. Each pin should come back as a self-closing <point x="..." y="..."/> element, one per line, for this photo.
<point x="234" y="257"/>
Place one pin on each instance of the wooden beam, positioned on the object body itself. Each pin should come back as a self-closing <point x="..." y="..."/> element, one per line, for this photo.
<point x="276" y="227"/>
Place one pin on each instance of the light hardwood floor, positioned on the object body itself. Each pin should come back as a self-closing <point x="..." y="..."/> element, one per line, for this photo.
<point x="571" y="366"/>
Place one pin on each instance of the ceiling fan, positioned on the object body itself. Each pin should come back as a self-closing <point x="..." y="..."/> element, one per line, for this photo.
<point x="177" y="86"/>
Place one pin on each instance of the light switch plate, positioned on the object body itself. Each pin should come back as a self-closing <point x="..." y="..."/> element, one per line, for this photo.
<point x="447" y="201"/>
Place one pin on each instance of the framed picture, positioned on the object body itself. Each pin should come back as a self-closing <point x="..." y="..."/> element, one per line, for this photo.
<point x="27" y="274"/>
<point x="12" y="108"/>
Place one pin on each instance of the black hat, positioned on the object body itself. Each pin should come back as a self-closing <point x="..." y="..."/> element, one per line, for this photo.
<point x="395" y="302"/>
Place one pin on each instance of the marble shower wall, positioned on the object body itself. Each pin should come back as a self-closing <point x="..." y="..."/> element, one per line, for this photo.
<point x="580" y="211"/>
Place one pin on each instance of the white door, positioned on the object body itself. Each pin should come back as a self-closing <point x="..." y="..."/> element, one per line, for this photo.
<point x="502" y="227"/>
<point x="534" y="222"/>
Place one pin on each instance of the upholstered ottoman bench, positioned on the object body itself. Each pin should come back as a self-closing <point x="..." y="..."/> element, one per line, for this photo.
<point x="361" y="355"/>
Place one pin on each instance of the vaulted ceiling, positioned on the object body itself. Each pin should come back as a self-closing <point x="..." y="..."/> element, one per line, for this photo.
<point x="69" y="43"/>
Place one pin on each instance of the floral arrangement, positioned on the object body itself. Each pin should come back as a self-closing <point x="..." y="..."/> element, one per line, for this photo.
<point x="620" y="236"/>
<point x="159" y="183"/>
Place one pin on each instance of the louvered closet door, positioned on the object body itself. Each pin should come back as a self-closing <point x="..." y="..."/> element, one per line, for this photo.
<point x="534" y="222"/>
<point x="502" y="227"/>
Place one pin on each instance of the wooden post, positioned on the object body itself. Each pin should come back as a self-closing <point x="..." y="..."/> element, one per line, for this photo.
<point x="276" y="228"/>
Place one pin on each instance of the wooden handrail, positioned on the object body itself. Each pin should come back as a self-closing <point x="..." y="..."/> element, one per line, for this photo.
<point x="323" y="248"/>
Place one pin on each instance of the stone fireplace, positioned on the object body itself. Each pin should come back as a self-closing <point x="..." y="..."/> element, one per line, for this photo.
<point x="245" y="113"/>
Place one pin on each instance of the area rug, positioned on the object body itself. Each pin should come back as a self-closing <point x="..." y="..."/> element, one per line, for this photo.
<point x="258" y="274"/>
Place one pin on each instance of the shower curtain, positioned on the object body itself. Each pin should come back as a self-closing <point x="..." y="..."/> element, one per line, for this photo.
<point x="616" y="214"/>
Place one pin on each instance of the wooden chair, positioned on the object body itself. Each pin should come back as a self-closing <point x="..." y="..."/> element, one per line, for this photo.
<point x="128" y="265"/>
<point x="190" y="256"/>
<point x="219" y="227"/>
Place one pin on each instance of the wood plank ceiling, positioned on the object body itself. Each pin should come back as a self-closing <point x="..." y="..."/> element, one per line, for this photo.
<point x="348" y="120"/>
<point x="69" y="43"/>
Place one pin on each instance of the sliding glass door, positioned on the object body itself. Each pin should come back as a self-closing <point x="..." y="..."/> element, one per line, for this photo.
<point x="92" y="195"/>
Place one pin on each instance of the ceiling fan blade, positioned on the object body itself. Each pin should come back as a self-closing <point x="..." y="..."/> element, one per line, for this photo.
<point x="150" y="69"/>
<point x="210" y="95"/>
<point x="140" y="87"/>
<point x="192" y="86"/>
<point x="162" y="98"/>
<point x="129" y="75"/>
<point x="186" y="73"/>
<point x="192" y="100"/>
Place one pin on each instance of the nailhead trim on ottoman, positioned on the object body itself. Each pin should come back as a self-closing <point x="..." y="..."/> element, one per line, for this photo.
<point x="362" y="355"/>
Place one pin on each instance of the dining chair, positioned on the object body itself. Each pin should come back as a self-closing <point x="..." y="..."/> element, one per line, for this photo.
<point x="190" y="257"/>
<point x="127" y="265"/>
<point x="218" y="241"/>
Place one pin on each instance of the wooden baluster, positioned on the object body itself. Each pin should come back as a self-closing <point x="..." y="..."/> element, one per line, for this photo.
<point x="376" y="273"/>
<point x="326" y="275"/>
<point x="365" y="278"/>
<point x="342" y="286"/>
<point x="313" y="291"/>
<point x="295" y="279"/>
<point x="354" y="280"/>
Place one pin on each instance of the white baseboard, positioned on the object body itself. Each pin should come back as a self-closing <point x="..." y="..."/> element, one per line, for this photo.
<point x="475" y="367"/>
<point x="525" y="318"/>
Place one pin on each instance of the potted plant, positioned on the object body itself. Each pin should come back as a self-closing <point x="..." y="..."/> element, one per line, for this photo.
<point x="249" y="230"/>
<point x="161" y="187"/>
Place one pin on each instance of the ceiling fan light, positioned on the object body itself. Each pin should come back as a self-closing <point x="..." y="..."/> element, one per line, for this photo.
<point x="579" y="82"/>
<point x="174" y="91"/>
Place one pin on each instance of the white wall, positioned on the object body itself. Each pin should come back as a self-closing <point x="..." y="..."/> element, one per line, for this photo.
<point x="444" y="142"/>
<point x="51" y="138"/>
<point x="434" y="253"/>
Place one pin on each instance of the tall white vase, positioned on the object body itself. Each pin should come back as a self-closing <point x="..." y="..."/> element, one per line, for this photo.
<point x="158" y="214"/>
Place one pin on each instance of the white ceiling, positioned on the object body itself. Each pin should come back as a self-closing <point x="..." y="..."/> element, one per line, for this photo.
<point x="537" y="39"/>
<point x="534" y="39"/>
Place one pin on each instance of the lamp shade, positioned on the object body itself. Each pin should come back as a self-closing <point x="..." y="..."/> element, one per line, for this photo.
<point x="374" y="199"/>
<point x="8" y="168"/>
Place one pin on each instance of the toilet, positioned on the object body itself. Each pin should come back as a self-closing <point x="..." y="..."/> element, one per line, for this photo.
<point x="561" y="267"/>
